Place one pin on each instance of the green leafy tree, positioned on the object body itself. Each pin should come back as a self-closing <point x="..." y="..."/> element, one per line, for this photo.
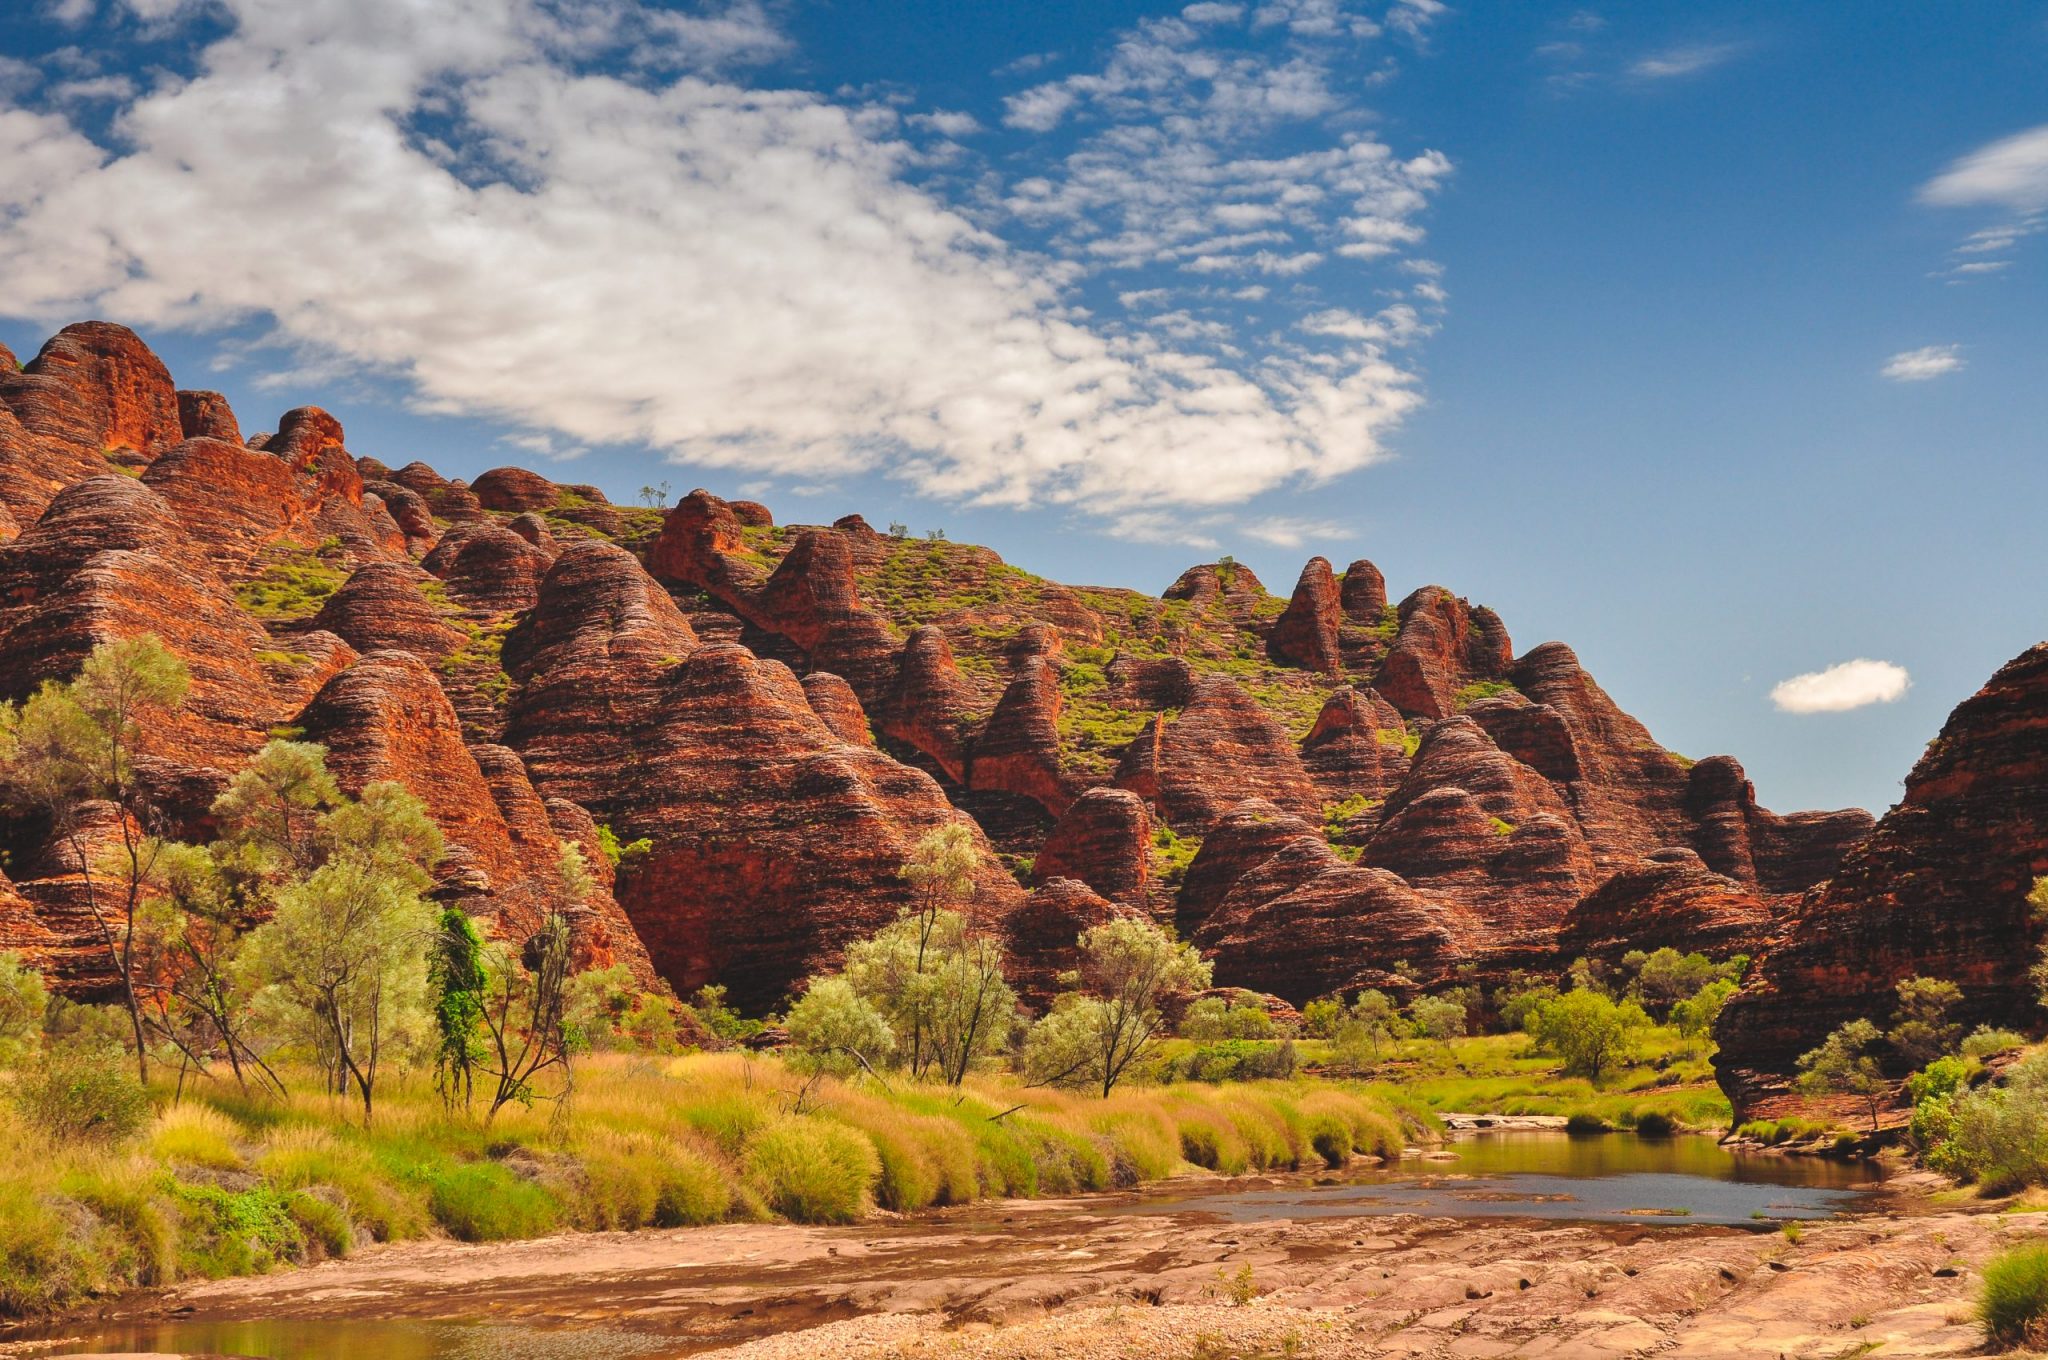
<point x="1094" y="1033"/>
<point x="1437" y="1017"/>
<point x="1321" y="1017"/>
<point x="1843" y="1065"/>
<point x="1214" y="1017"/>
<point x="342" y="962"/>
<point x="194" y="921"/>
<point x="835" y="1029"/>
<point x="23" y="999"/>
<point x="1922" y="1029"/>
<point x="941" y="981"/>
<point x="1666" y="977"/>
<point x="1367" y="1026"/>
<point x="1588" y="1030"/>
<point x="76" y="744"/>
<point x="1695" y="1016"/>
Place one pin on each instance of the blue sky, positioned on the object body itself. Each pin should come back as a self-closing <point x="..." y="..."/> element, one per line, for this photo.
<point x="1706" y="337"/>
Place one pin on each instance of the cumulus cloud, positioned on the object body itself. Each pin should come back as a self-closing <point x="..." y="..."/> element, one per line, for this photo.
<point x="573" y="219"/>
<point x="1918" y="365"/>
<point x="1841" y="687"/>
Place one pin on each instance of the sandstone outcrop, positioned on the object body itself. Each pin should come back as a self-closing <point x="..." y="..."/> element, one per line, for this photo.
<point x="1222" y="749"/>
<point x="1367" y="784"/>
<point x="1938" y="889"/>
<point x="1305" y="634"/>
<point x="1105" y="841"/>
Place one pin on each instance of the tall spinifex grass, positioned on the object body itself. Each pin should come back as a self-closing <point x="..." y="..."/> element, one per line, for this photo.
<point x="641" y="1144"/>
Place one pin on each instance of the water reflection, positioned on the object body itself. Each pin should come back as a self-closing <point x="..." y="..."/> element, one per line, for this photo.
<point x="1609" y="1178"/>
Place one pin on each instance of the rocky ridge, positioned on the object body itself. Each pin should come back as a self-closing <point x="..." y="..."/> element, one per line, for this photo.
<point x="1316" y="788"/>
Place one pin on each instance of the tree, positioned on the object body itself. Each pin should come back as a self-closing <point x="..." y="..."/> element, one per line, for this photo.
<point x="1437" y="1017"/>
<point x="194" y="923"/>
<point x="75" y="744"/>
<point x="1586" y="1029"/>
<point x="898" y="969"/>
<point x="1094" y="1034"/>
<point x="1695" y="1016"/>
<point x="940" y="981"/>
<point x="1321" y="1017"/>
<point x="1367" y="1025"/>
<point x="525" y="1010"/>
<point x="1667" y="977"/>
<point x="1842" y="1065"/>
<point x="1921" y="1028"/>
<point x="835" y="1029"/>
<point x="343" y="963"/>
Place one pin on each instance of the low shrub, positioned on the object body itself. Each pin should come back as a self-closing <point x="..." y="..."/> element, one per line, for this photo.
<point x="2013" y="1301"/>
<point x="85" y="1095"/>
<point x="1655" y="1124"/>
<point x="1580" y="1121"/>
<point x="811" y="1170"/>
<point x="235" y="1232"/>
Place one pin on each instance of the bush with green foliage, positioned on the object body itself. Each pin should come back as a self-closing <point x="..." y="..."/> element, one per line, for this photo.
<point x="1437" y="1017"/>
<point x="1695" y="1016"/>
<point x="1921" y="1028"/>
<point x="1367" y="1027"/>
<point x="1844" y="1065"/>
<point x="1111" y="1018"/>
<point x="1215" y="1017"/>
<point x="87" y="1094"/>
<point x="1996" y="1135"/>
<point x="1986" y="1040"/>
<point x="1590" y="1032"/>
<point x="23" y="1002"/>
<point x="1320" y="1018"/>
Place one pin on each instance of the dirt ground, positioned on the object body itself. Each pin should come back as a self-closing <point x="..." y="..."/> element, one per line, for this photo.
<point x="1090" y="1279"/>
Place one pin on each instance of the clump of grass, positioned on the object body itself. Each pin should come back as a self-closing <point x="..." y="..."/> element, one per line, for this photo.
<point x="489" y="1202"/>
<point x="2013" y="1302"/>
<point x="812" y="1170"/>
<point x="196" y="1135"/>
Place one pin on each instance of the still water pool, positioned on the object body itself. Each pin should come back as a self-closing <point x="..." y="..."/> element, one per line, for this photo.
<point x="1604" y="1178"/>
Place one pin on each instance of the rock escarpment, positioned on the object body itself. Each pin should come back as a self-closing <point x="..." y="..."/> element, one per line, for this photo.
<point x="1314" y="789"/>
<point x="1938" y="889"/>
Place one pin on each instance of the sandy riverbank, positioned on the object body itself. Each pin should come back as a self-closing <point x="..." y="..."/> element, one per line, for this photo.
<point x="1089" y="1278"/>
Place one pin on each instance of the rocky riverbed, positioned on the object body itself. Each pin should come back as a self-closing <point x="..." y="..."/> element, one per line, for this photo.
<point x="1092" y="1278"/>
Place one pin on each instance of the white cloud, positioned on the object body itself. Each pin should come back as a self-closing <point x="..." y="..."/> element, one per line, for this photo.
<point x="1208" y="12"/>
<point x="470" y="198"/>
<point x="1157" y="526"/>
<point x="1918" y="365"/>
<point x="1839" y="688"/>
<point x="946" y="122"/>
<point x="1287" y="532"/>
<point x="2009" y="173"/>
<point x="1684" y="60"/>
